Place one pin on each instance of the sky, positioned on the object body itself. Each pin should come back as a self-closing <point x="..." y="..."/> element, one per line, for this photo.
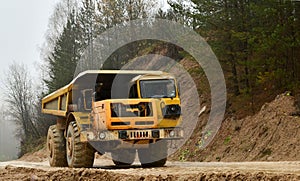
<point x="23" y="25"/>
<point x="22" y="33"/>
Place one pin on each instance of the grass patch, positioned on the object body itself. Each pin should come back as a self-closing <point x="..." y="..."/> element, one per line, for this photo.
<point x="227" y="140"/>
<point x="183" y="155"/>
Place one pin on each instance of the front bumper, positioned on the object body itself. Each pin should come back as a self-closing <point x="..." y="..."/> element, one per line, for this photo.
<point x="133" y="135"/>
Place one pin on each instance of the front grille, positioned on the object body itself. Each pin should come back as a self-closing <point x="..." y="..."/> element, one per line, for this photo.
<point x="139" y="134"/>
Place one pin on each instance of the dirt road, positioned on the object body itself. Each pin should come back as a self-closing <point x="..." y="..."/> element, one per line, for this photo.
<point x="105" y="170"/>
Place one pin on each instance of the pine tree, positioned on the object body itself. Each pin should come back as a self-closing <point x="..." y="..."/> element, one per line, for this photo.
<point x="63" y="60"/>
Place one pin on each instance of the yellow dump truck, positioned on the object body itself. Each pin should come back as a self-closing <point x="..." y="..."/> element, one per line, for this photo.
<point x="119" y="112"/>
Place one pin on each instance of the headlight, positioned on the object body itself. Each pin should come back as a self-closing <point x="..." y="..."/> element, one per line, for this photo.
<point x="102" y="135"/>
<point x="172" y="133"/>
<point x="171" y="111"/>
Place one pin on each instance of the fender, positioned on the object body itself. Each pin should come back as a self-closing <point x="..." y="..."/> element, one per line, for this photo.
<point x="81" y="119"/>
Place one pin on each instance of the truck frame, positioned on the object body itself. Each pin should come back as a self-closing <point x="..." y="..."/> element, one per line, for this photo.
<point x="121" y="112"/>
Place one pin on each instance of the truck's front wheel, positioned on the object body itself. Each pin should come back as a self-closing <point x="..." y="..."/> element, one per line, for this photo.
<point x="56" y="147"/>
<point x="79" y="154"/>
<point x="123" y="156"/>
<point x="155" y="155"/>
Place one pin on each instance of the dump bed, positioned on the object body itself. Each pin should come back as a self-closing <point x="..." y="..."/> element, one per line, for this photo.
<point x="62" y="101"/>
<point x="57" y="102"/>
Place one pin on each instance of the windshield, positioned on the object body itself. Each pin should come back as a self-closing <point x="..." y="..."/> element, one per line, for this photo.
<point x="158" y="88"/>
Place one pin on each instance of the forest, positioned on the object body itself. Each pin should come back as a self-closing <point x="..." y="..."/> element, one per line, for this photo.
<point x="256" y="42"/>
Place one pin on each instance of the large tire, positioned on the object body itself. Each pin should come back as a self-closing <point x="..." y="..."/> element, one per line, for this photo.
<point x="155" y="155"/>
<point x="79" y="154"/>
<point x="56" y="147"/>
<point x="123" y="156"/>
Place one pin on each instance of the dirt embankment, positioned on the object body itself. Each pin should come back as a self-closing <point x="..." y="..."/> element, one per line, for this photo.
<point x="270" y="135"/>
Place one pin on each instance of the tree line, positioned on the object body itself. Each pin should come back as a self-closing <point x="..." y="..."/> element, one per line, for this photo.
<point x="83" y="24"/>
<point x="257" y="42"/>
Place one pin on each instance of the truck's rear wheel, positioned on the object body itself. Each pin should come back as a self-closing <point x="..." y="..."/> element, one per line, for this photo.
<point x="56" y="147"/>
<point x="123" y="156"/>
<point x="79" y="154"/>
<point x="155" y="155"/>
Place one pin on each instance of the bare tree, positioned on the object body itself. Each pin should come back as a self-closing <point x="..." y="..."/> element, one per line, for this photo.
<point x="20" y="101"/>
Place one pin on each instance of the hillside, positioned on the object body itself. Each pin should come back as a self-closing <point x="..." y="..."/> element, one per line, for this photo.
<point x="272" y="134"/>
